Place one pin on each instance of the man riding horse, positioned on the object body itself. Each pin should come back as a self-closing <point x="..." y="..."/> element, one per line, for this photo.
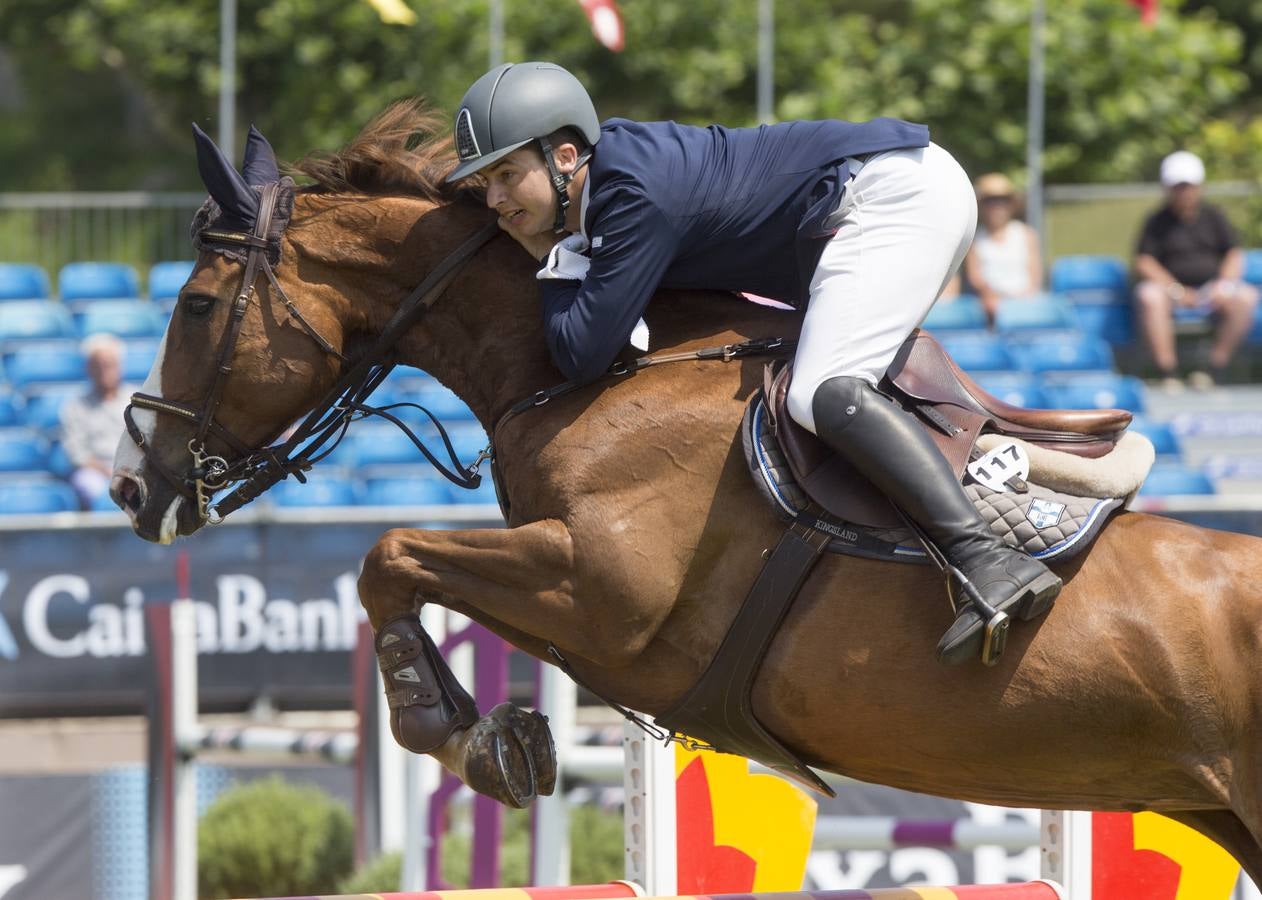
<point x="861" y="224"/>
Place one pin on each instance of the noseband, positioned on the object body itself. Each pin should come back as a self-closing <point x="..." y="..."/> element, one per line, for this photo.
<point x="257" y="469"/>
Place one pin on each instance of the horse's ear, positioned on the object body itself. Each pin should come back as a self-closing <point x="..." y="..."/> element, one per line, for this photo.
<point x="226" y="186"/>
<point x="260" y="160"/>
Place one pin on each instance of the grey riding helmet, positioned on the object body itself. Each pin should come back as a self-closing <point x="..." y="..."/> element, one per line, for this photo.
<point x="517" y="103"/>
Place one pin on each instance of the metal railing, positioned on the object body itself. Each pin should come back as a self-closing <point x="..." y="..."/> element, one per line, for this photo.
<point x="136" y="227"/>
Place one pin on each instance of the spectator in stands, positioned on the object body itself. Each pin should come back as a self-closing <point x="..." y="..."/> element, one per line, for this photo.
<point x="92" y="424"/>
<point x="1188" y="256"/>
<point x="1005" y="260"/>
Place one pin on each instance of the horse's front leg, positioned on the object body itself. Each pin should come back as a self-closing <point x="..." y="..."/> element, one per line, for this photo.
<point x="507" y="754"/>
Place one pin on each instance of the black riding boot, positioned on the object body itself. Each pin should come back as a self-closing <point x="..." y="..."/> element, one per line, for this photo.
<point x="893" y="451"/>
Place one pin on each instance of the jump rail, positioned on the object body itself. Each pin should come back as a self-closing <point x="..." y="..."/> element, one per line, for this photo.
<point x="1031" y="890"/>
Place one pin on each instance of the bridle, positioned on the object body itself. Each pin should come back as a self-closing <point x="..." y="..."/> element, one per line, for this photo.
<point x="257" y="469"/>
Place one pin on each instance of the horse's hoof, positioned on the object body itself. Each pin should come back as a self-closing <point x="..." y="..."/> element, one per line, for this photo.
<point x="510" y="756"/>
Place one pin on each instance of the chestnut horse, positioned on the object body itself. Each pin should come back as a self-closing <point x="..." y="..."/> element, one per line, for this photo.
<point x="636" y="531"/>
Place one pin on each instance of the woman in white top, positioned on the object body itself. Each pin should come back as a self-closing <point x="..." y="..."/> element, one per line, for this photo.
<point x="1005" y="260"/>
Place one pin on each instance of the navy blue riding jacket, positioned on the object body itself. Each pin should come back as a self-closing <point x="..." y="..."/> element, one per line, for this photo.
<point x="675" y="206"/>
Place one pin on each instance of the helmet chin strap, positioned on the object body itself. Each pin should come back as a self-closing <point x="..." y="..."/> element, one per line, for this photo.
<point x="561" y="181"/>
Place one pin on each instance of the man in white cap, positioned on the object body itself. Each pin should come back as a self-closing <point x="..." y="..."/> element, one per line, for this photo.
<point x="1188" y="256"/>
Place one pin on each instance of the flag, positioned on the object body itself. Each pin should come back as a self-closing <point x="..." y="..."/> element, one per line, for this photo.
<point x="606" y="22"/>
<point x="1147" y="10"/>
<point x="394" y="12"/>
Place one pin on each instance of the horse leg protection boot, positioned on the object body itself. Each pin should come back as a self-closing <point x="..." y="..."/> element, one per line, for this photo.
<point x="427" y="703"/>
<point x="893" y="451"/>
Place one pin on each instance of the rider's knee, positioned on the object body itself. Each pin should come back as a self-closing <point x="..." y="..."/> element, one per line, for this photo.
<point x="825" y="404"/>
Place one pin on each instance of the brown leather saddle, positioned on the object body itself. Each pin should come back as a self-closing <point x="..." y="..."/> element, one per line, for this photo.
<point x="955" y="411"/>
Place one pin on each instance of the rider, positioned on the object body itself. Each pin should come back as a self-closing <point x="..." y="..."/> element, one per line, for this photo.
<point x="860" y="223"/>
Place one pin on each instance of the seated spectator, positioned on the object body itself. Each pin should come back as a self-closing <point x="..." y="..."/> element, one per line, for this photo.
<point x="91" y="425"/>
<point x="1005" y="260"/>
<point x="1188" y="256"/>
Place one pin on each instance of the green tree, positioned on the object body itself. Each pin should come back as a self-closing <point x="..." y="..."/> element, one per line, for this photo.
<point x="135" y="72"/>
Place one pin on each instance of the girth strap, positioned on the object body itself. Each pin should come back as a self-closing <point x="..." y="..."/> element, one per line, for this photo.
<point x="719" y="709"/>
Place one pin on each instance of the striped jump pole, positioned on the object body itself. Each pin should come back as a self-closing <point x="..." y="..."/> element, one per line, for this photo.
<point x="1033" y="890"/>
<point x="885" y="833"/>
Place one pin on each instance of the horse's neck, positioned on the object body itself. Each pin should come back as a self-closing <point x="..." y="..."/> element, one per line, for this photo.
<point x="484" y="337"/>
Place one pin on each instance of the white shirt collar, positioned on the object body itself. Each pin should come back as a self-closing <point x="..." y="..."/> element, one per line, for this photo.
<point x="582" y="205"/>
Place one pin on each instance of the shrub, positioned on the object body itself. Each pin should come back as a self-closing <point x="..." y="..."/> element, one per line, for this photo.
<point x="268" y="838"/>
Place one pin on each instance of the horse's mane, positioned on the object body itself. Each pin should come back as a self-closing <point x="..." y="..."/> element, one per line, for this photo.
<point x="403" y="150"/>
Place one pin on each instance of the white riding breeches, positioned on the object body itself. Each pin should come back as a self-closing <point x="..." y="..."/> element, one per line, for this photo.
<point x="908" y="217"/>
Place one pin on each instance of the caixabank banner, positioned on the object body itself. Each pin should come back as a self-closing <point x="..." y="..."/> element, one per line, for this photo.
<point x="277" y="610"/>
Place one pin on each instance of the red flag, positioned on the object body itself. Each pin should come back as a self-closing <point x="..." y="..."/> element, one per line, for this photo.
<point x="606" y="22"/>
<point x="1147" y="10"/>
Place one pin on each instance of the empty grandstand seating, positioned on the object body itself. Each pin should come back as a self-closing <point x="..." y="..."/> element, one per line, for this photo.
<point x="10" y="409"/>
<point x="36" y="495"/>
<point x="43" y="405"/>
<point x="964" y="311"/>
<point x="22" y="450"/>
<point x="122" y="318"/>
<point x="1090" y="278"/>
<point x="1017" y="388"/>
<point x="1094" y="390"/>
<point x="42" y="362"/>
<point x="1175" y="479"/>
<point x="87" y="281"/>
<point x="20" y="281"/>
<point x="1038" y="312"/>
<point x="34" y="319"/>
<point x="320" y="490"/>
<point x="976" y="351"/>
<point x="166" y="279"/>
<point x="138" y="359"/>
<point x="1059" y="351"/>
<point x="402" y="490"/>
<point x="1163" y="438"/>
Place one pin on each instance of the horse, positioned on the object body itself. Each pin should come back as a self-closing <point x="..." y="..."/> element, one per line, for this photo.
<point x="635" y="530"/>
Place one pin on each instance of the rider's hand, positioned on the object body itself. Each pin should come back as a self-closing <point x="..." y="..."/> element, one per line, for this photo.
<point x="537" y="245"/>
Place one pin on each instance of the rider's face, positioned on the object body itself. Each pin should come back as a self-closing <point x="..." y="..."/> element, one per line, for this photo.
<point x="518" y="188"/>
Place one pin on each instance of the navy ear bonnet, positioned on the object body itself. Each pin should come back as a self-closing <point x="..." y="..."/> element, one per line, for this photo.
<point x="233" y="204"/>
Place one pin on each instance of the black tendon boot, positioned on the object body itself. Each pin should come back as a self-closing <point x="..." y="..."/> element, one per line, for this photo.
<point x="893" y="451"/>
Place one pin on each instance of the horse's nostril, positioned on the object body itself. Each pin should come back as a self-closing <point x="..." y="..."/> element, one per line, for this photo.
<point x="127" y="494"/>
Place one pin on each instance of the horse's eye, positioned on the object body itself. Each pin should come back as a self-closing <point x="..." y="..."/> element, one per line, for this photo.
<point x="197" y="304"/>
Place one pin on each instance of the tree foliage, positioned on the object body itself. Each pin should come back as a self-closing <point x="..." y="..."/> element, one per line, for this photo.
<point x="101" y="91"/>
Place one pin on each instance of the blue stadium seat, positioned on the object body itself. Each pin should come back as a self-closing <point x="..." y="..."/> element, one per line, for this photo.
<point x="43" y="405"/>
<point x="138" y="359"/>
<point x="385" y="445"/>
<point x="1115" y="322"/>
<point x="20" y="281"/>
<point x="36" y="495"/>
<point x="59" y="460"/>
<point x="1172" y="479"/>
<point x="1094" y="390"/>
<point x="166" y="279"/>
<point x="1090" y="278"/>
<point x="1017" y="388"/>
<point x="443" y="403"/>
<point x="467" y="439"/>
<point x="122" y="318"/>
<point x="86" y="281"/>
<point x="45" y="362"/>
<point x="1163" y="438"/>
<point x="1059" y="351"/>
<point x="976" y="351"/>
<point x="1038" y="312"/>
<point x="320" y="490"/>
<point x="396" y="491"/>
<point x="10" y="409"/>
<point x="964" y="311"/>
<point x="22" y="450"/>
<point x="34" y="320"/>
